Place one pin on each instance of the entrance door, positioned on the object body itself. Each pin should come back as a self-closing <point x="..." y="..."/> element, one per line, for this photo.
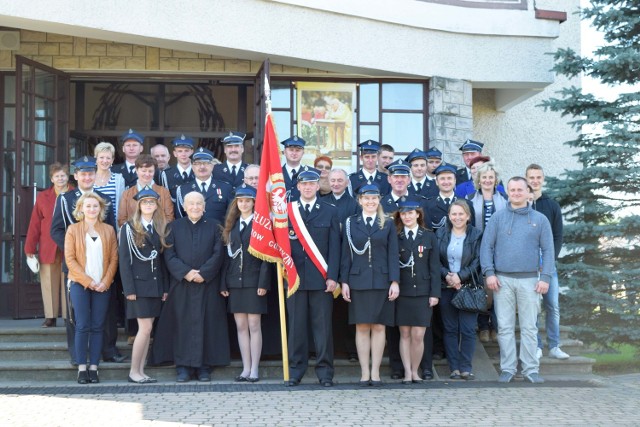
<point x="42" y="133"/>
<point x="260" y="109"/>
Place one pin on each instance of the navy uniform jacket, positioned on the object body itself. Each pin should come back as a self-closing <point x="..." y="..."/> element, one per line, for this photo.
<point x="217" y="199"/>
<point x="254" y="273"/>
<point x="63" y="215"/>
<point x="389" y="206"/>
<point x="436" y="211"/>
<point x="424" y="278"/>
<point x="291" y="184"/>
<point x="221" y="172"/>
<point x="130" y="179"/>
<point x="324" y="228"/>
<point x="142" y="278"/>
<point x="429" y="188"/>
<point x="374" y="269"/>
<point x="171" y="179"/>
<point x="346" y="205"/>
<point x="461" y="175"/>
<point x="380" y="179"/>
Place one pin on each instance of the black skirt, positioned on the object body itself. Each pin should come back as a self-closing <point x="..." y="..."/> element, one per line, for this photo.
<point x="144" y="307"/>
<point x="246" y="300"/>
<point x="371" y="306"/>
<point x="413" y="311"/>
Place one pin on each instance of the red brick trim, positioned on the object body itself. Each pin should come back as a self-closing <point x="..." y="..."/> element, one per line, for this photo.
<point x="553" y="15"/>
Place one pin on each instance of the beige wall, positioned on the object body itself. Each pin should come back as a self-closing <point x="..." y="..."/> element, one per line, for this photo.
<point x="526" y="133"/>
<point x="79" y="53"/>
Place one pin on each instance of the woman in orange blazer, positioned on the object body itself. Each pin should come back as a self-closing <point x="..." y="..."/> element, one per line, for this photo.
<point x="39" y="242"/>
<point x="91" y="253"/>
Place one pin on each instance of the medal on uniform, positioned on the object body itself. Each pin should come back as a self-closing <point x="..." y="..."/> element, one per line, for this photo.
<point x="420" y="250"/>
<point x="219" y="193"/>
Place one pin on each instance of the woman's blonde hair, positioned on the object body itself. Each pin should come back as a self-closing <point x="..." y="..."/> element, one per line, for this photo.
<point x="77" y="211"/>
<point x="380" y="215"/>
<point x="104" y="146"/>
<point x="484" y="168"/>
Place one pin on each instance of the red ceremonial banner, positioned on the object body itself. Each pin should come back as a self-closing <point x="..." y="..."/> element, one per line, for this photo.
<point x="270" y="231"/>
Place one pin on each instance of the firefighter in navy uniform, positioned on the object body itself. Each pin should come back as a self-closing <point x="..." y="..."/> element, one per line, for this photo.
<point x="132" y="147"/>
<point x="217" y="194"/>
<point x="470" y="149"/>
<point x="369" y="173"/>
<point x="182" y="173"/>
<point x="437" y="207"/>
<point x="293" y="151"/>
<point x="312" y="303"/>
<point x="421" y="184"/>
<point x="232" y="170"/>
<point x="399" y="178"/>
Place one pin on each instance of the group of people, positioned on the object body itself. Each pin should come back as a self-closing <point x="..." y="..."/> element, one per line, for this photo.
<point x="390" y="244"/>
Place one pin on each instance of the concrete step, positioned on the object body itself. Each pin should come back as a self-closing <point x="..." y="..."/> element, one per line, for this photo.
<point x="44" y="350"/>
<point x="12" y="334"/>
<point x="569" y="367"/>
<point x="570" y="346"/>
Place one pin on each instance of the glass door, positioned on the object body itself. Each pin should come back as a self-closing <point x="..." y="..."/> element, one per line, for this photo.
<point x="42" y="134"/>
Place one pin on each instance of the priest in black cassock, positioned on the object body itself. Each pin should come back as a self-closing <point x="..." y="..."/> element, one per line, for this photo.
<point x="192" y="330"/>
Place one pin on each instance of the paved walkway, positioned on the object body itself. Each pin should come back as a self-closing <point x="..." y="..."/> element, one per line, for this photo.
<point x="611" y="401"/>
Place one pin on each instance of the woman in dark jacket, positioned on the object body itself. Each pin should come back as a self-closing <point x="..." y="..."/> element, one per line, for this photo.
<point x="145" y="280"/>
<point x="370" y="274"/>
<point x="459" y="247"/>
<point x="245" y="280"/>
<point x="419" y="285"/>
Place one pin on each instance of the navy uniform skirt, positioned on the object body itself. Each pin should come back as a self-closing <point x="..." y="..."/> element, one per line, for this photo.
<point x="246" y="300"/>
<point x="371" y="306"/>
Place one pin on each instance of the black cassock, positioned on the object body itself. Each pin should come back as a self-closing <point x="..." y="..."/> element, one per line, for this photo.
<point x="192" y="330"/>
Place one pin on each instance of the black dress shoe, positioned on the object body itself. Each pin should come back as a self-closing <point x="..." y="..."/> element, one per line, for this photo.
<point x="364" y="383"/>
<point x="353" y="357"/>
<point x="83" y="377"/>
<point x="240" y="379"/>
<point x="118" y="358"/>
<point x="397" y="375"/>
<point x="293" y="383"/>
<point x="375" y="383"/>
<point x="427" y="375"/>
<point x="93" y="376"/>
<point x="131" y="380"/>
<point x="49" y="323"/>
<point x="183" y="377"/>
<point x="407" y="382"/>
<point x="253" y="379"/>
<point x="326" y="383"/>
<point x="204" y="377"/>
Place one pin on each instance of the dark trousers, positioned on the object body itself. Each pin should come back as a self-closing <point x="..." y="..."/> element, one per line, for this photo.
<point x="312" y="308"/>
<point x="437" y="329"/>
<point x="488" y="322"/>
<point x="70" y="321"/>
<point x="90" y="310"/>
<point x="110" y="335"/>
<point x="459" y="333"/>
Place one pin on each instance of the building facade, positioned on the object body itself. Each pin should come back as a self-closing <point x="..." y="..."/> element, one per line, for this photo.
<point x="409" y="73"/>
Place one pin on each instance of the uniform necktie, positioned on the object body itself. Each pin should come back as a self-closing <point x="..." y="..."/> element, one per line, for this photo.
<point x="204" y="187"/>
<point x="369" y="221"/>
<point x="410" y="234"/>
<point x="369" y="180"/>
<point x="307" y="208"/>
<point x="419" y="187"/>
<point x="233" y="170"/>
<point x="184" y="175"/>
<point x="132" y="169"/>
<point x="150" y="228"/>
<point x="447" y="201"/>
<point x="242" y="225"/>
<point x="293" y="174"/>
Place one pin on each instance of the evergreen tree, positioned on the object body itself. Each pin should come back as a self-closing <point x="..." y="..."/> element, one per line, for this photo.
<point x="601" y="199"/>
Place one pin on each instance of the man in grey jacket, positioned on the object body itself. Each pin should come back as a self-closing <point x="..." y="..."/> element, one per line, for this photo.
<point x="517" y="258"/>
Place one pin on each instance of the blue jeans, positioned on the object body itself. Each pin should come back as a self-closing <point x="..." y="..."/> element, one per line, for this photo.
<point x="552" y="313"/>
<point x="90" y="309"/>
<point x="459" y="333"/>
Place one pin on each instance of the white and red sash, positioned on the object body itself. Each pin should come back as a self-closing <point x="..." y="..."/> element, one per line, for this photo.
<point x="305" y="239"/>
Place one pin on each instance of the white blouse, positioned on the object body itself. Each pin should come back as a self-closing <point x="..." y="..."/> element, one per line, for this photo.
<point x="93" y="250"/>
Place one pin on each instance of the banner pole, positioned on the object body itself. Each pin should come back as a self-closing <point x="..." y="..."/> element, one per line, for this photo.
<point x="283" y="326"/>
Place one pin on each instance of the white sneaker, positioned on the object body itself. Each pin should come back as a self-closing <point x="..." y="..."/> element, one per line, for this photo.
<point x="557" y="353"/>
<point x="539" y="353"/>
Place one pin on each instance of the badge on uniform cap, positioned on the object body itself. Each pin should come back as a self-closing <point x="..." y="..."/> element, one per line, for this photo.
<point x="295" y="137"/>
<point x="130" y="130"/>
<point x="182" y="137"/>
<point x="201" y="149"/>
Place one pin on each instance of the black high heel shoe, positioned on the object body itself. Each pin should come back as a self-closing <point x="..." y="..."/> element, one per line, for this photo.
<point x="93" y="376"/>
<point x="83" y="377"/>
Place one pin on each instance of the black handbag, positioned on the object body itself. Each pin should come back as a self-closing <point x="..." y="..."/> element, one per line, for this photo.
<point x="471" y="297"/>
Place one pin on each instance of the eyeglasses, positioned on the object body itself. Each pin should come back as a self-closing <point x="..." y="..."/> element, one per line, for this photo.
<point x="201" y="164"/>
<point x="327" y="167"/>
<point x="148" y="202"/>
